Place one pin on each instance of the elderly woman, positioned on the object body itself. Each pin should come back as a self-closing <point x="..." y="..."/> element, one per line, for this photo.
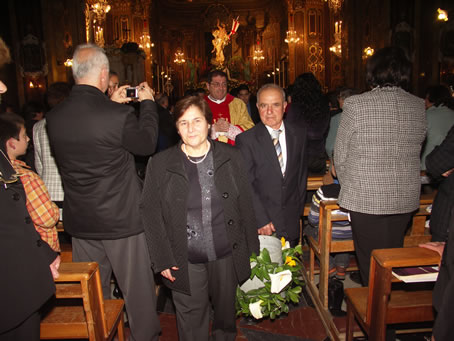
<point x="377" y="156"/>
<point x="199" y="222"/>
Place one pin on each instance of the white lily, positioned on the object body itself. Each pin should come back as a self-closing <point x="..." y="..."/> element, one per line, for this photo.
<point x="286" y="245"/>
<point x="280" y="280"/>
<point x="256" y="310"/>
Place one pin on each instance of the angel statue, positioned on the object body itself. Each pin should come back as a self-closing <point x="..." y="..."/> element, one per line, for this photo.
<point x="221" y="39"/>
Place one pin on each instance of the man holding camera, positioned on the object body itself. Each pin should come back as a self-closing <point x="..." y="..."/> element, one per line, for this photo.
<point x="94" y="139"/>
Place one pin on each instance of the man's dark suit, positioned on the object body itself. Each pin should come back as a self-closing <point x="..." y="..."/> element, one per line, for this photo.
<point x="26" y="282"/>
<point x="278" y="199"/>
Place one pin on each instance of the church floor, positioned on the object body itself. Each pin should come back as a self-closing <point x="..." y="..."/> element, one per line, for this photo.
<point x="301" y="323"/>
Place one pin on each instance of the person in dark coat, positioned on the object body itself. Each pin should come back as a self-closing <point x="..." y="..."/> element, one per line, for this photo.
<point x="279" y="189"/>
<point x="440" y="162"/>
<point x="28" y="264"/>
<point x="94" y="139"/>
<point x="437" y="162"/>
<point x="310" y="109"/>
<point x="196" y="208"/>
<point x="251" y="102"/>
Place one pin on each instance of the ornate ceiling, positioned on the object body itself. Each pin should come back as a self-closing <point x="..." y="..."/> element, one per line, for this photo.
<point x="199" y="13"/>
<point x="197" y="5"/>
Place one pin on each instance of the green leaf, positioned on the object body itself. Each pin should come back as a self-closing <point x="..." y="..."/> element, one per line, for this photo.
<point x="265" y="255"/>
<point x="296" y="290"/>
<point x="285" y="308"/>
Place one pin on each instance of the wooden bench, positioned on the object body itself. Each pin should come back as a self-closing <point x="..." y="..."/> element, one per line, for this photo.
<point x="66" y="253"/>
<point x="376" y="306"/>
<point x="88" y="315"/>
<point x="314" y="182"/>
<point x="322" y="248"/>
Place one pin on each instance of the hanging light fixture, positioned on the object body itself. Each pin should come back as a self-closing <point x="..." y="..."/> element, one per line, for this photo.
<point x="101" y="8"/>
<point x="258" y="54"/>
<point x="179" y="57"/>
<point x="335" y="5"/>
<point x="337" y="47"/>
<point x="442" y="15"/>
<point x="292" y="37"/>
<point x="368" y="52"/>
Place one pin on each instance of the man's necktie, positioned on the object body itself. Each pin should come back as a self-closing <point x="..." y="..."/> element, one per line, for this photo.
<point x="275" y="135"/>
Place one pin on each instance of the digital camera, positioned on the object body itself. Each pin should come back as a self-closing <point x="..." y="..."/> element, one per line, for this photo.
<point x="131" y="92"/>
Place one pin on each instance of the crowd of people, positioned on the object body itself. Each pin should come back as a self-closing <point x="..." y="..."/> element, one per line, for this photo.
<point x="224" y="169"/>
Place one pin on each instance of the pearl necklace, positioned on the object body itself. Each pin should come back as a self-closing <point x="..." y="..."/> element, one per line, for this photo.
<point x="199" y="161"/>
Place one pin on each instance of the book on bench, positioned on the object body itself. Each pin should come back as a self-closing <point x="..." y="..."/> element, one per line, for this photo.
<point x="417" y="274"/>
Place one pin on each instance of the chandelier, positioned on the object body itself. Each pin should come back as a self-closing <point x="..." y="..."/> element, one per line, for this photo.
<point x="258" y="54"/>
<point x="442" y="15"/>
<point x="368" y="52"/>
<point x="337" y="47"/>
<point x="100" y="8"/>
<point x="335" y="5"/>
<point x="292" y="37"/>
<point x="145" y="43"/>
<point x="179" y="57"/>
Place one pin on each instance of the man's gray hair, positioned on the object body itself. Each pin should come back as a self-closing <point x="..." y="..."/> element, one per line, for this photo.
<point x="271" y="86"/>
<point x="85" y="64"/>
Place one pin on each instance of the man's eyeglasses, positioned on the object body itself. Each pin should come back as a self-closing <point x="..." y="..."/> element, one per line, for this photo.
<point x="219" y="85"/>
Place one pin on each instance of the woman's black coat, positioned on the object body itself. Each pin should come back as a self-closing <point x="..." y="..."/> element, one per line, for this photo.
<point x="164" y="211"/>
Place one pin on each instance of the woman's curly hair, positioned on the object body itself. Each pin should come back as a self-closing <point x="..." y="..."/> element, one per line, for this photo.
<point x="307" y="93"/>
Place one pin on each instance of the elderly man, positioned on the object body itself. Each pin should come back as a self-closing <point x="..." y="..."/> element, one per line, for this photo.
<point x="274" y="155"/>
<point x="94" y="139"/>
<point x="230" y="116"/>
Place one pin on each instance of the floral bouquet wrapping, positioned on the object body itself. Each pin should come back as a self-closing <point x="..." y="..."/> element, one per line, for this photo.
<point x="274" y="281"/>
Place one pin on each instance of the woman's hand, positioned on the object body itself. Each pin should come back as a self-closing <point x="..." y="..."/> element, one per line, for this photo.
<point x="168" y="274"/>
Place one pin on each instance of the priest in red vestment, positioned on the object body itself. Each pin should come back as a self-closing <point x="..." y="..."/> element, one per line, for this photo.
<point x="230" y="115"/>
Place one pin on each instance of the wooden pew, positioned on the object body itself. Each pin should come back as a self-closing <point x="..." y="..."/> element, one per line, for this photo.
<point x="322" y="248"/>
<point x="66" y="253"/>
<point x="378" y="305"/>
<point x="314" y="182"/>
<point x="89" y="316"/>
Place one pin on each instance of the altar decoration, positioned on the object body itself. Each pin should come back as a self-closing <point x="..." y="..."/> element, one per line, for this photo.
<point x="221" y="39"/>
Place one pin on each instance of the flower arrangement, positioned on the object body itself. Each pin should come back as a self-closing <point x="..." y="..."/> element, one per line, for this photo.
<point x="282" y="284"/>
